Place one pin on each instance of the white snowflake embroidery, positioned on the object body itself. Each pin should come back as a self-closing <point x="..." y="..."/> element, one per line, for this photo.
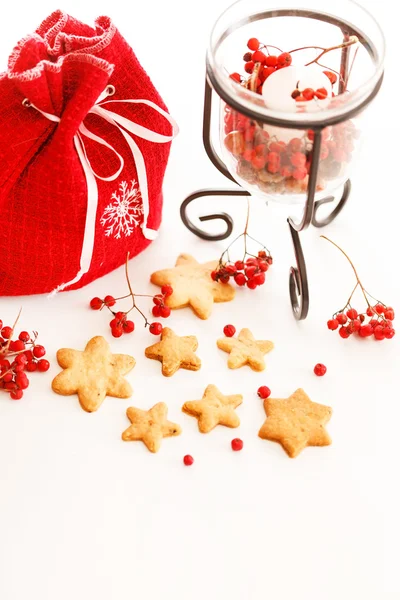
<point x="125" y="213"/>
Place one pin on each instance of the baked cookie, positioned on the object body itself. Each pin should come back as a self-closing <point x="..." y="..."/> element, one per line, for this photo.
<point x="175" y="352"/>
<point x="296" y="422"/>
<point x="245" y="350"/>
<point x="150" y="426"/>
<point x="193" y="286"/>
<point x="93" y="374"/>
<point x="214" y="409"/>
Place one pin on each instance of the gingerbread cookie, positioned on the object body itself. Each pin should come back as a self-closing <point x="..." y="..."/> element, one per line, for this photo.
<point x="245" y="350"/>
<point x="175" y="352"/>
<point x="296" y="422"/>
<point x="93" y="374"/>
<point x="150" y="426"/>
<point x="214" y="409"/>
<point x="193" y="286"/>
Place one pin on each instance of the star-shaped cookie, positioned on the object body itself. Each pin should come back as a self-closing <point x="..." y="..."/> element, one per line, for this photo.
<point x="214" y="409"/>
<point x="296" y="422"/>
<point x="245" y="350"/>
<point x="192" y="285"/>
<point x="175" y="352"/>
<point x="150" y="426"/>
<point x="93" y="374"/>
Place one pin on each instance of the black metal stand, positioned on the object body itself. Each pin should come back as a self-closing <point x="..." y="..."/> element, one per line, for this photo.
<point x="298" y="282"/>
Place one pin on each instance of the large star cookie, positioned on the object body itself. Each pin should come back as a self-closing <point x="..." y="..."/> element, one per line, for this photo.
<point x="245" y="350"/>
<point x="175" y="352"/>
<point x="296" y="422"/>
<point x="150" y="426"/>
<point x="193" y="286"/>
<point x="93" y="374"/>
<point x="214" y="409"/>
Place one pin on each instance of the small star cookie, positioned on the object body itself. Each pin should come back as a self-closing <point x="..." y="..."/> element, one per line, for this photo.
<point x="296" y="422"/>
<point x="214" y="409"/>
<point x="93" y="374"/>
<point x="245" y="350"/>
<point x="175" y="352"/>
<point x="193" y="286"/>
<point x="150" y="426"/>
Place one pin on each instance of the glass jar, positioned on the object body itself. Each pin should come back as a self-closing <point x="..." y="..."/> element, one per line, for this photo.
<point x="267" y="127"/>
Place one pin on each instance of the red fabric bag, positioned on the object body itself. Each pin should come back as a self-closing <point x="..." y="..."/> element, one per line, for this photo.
<point x="84" y="143"/>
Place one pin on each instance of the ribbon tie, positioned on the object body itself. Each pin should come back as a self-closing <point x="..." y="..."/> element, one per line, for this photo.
<point x="122" y="123"/>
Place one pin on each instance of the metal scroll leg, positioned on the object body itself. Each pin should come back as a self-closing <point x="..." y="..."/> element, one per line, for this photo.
<point x="298" y="282"/>
<point x="334" y="213"/>
<point x="221" y="216"/>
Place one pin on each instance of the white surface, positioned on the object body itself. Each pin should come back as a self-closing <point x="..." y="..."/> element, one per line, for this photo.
<point x="84" y="515"/>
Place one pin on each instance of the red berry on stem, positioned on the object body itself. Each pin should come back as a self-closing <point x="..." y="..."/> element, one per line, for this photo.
<point x="6" y="332"/>
<point x="24" y="336"/>
<point x="320" y="369"/>
<point x="21" y="380"/>
<point x="167" y="290"/>
<point x="21" y="359"/>
<point x="188" y="460"/>
<point x="271" y="61"/>
<point x="109" y="301"/>
<point x="239" y="265"/>
<point x="128" y="326"/>
<point x="284" y="59"/>
<point x="117" y="331"/>
<point x="155" y="328"/>
<point x="389" y="313"/>
<point x="331" y="76"/>
<point x="308" y="93"/>
<point x="253" y="44"/>
<point x="229" y="330"/>
<point x="258" y="56"/>
<point x="341" y="318"/>
<point x="321" y="93"/>
<point x="251" y="284"/>
<point x="156" y="311"/>
<point x="236" y="77"/>
<point x="237" y="444"/>
<point x="165" y="311"/>
<point x="344" y="333"/>
<point x="158" y="299"/>
<point x="388" y="332"/>
<point x="16" y="394"/>
<point x="240" y="279"/>
<point x="96" y="303"/>
<point x="259" y="278"/>
<point x="333" y="324"/>
<point x="379" y="333"/>
<point x="365" y="331"/>
<point x="43" y="365"/>
<point x="352" y="313"/>
<point x="39" y="351"/>
<point x="31" y="366"/>
<point x="264" y="392"/>
<point x="249" y="66"/>
<point x="7" y="377"/>
<point x="17" y="346"/>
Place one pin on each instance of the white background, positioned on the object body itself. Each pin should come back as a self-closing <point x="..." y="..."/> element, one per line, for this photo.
<point x="84" y="515"/>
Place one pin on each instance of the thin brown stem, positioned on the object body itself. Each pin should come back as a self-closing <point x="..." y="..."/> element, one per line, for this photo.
<point x="353" y="267"/>
<point x="350" y="69"/>
<point x="353" y="39"/>
<point x="270" y="46"/>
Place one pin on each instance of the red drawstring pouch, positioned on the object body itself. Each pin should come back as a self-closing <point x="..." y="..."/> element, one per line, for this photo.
<point x="84" y="143"/>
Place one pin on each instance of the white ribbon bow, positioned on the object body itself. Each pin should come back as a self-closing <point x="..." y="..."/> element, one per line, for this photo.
<point x="122" y="123"/>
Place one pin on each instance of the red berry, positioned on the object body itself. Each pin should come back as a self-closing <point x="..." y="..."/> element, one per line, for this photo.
<point x="298" y="159"/>
<point x="21" y="359"/>
<point x="237" y="444"/>
<point x="284" y="59"/>
<point x="370" y="311"/>
<point x="389" y="313"/>
<point x="7" y="377"/>
<point x="17" y="367"/>
<point x="109" y="301"/>
<point x="299" y="173"/>
<point x="229" y="330"/>
<point x="96" y="303"/>
<point x="43" y="365"/>
<point x="165" y="312"/>
<point x="10" y="385"/>
<point x="156" y="310"/>
<point x="24" y="336"/>
<point x="158" y="299"/>
<point x="352" y="313"/>
<point x="344" y="333"/>
<point x="379" y="333"/>
<point x="21" y="380"/>
<point x="188" y="460"/>
<point x="117" y="331"/>
<point x="374" y="323"/>
<point x="258" y="162"/>
<point x="365" y="331"/>
<point x="320" y="369"/>
<point x="321" y="93"/>
<point x="295" y="94"/>
<point x="247" y="56"/>
<point x="167" y="290"/>
<point x="263" y="265"/>
<point x="250" y="271"/>
<point x="341" y="318"/>
<point x="236" y="77"/>
<point x="128" y="326"/>
<point x="155" y="328"/>
<point x="17" y="346"/>
<point x="379" y="308"/>
<point x="240" y="279"/>
<point x="251" y="284"/>
<point x="16" y="394"/>
<point x="224" y="279"/>
<point x="239" y="265"/>
<point x="264" y="392"/>
<point x="253" y="44"/>
<point x="333" y="324"/>
<point x="1" y="324"/>
<point x="271" y="61"/>
<point x="308" y="93"/>
<point x="388" y="332"/>
<point x="6" y="332"/>
<point x="213" y="276"/>
<point x="29" y="354"/>
<point x="249" y="66"/>
<point x="4" y="364"/>
<point x="31" y="366"/>
<point x="258" y="56"/>
<point x="259" y="278"/>
<point x="38" y="351"/>
<point x="265" y="72"/>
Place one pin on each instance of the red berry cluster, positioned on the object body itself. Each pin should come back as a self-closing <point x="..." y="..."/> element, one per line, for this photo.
<point x="376" y="322"/>
<point x="120" y="323"/>
<point x="309" y="94"/>
<point x="250" y="271"/>
<point x="262" y="64"/>
<point x="18" y="357"/>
